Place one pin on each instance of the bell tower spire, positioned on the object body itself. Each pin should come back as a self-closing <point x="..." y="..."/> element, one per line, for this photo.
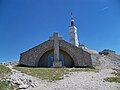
<point x="73" y="39"/>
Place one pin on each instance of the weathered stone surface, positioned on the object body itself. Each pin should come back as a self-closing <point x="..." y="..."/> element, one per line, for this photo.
<point x="23" y="86"/>
<point x="22" y="81"/>
<point x="32" y="56"/>
<point x="57" y="64"/>
<point x="75" y="54"/>
<point x="80" y="57"/>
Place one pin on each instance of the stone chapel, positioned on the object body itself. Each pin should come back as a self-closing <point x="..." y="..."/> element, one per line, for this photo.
<point x="57" y="52"/>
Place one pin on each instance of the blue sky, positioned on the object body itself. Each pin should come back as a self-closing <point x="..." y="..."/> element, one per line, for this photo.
<point x="27" y="23"/>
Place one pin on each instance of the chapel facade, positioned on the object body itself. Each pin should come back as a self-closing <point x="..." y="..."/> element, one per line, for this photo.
<point x="57" y="52"/>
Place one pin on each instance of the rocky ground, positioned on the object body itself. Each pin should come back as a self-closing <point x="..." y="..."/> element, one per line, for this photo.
<point x="73" y="81"/>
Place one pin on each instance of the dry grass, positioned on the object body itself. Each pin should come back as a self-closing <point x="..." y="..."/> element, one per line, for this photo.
<point x="51" y="74"/>
<point x="4" y="71"/>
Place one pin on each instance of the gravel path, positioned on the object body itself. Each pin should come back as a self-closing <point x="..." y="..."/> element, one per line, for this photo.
<point x="81" y="81"/>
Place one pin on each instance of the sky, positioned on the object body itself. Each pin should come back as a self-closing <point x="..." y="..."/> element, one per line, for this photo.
<point x="27" y="23"/>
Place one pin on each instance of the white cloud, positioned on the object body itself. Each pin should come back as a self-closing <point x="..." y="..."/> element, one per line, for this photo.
<point x="105" y="8"/>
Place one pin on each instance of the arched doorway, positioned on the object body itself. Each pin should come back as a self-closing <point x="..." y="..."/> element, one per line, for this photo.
<point x="47" y="59"/>
<point x="68" y="60"/>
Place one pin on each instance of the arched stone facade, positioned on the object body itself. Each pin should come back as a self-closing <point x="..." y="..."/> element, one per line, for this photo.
<point x="73" y="56"/>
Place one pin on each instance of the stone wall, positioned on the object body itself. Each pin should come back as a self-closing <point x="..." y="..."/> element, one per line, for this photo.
<point x="32" y="56"/>
<point x="29" y="58"/>
<point x="80" y="57"/>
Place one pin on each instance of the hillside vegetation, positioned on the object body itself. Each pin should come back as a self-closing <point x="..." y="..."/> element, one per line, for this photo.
<point x="4" y="85"/>
<point x="4" y="71"/>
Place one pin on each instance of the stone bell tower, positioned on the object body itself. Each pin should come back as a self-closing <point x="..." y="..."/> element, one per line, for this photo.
<point x="73" y="38"/>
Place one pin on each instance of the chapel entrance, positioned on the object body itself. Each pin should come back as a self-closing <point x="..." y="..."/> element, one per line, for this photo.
<point x="47" y="59"/>
<point x="51" y="59"/>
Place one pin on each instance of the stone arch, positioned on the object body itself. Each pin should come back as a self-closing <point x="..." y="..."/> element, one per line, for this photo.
<point x="68" y="60"/>
<point x="45" y="60"/>
<point x="69" y="52"/>
<point x="43" y="51"/>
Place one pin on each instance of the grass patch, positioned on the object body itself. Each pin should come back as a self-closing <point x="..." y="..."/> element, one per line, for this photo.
<point x="4" y="85"/>
<point x="50" y="74"/>
<point x="114" y="79"/>
<point x="4" y="71"/>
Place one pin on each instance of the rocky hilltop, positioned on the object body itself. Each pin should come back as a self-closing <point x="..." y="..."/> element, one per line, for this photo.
<point x="99" y="58"/>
